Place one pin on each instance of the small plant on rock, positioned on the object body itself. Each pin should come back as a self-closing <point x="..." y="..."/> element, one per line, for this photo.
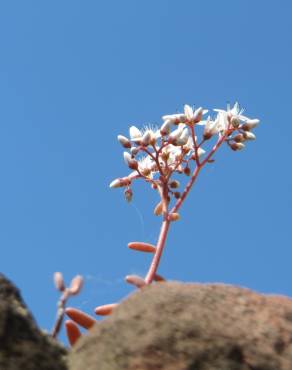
<point x="169" y="158"/>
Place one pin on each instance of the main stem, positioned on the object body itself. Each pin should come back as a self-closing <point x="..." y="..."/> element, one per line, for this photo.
<point x="60" y="314"/>
<point x="159" y="249"/>
<point x="166" y="222"/>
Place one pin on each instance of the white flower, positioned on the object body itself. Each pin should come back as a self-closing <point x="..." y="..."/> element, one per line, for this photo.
<point x="235" y="111"/>
<point x="175" y="118"/>
<point x="145" y="136"/>
<point x="165" y="127"/>
<point x="135" y="133"/>
<point x="176" y="134"/>
<point x="147" y="166"/>
<point x="194" y="116"/>
<point x="211" y="128"/>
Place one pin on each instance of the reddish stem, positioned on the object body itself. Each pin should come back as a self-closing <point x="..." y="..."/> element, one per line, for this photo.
<point x="166" y="222"/>
<point x="159" y="249"/>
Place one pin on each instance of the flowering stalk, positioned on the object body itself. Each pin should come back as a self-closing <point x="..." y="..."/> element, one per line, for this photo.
<point x="170" y="150"/>
<point x="158" y="156"/>
<point x="66" y="293"/>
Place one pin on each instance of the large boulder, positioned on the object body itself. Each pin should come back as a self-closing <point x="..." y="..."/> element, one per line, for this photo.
<point x="22" y="345"/>
<point x="175" y="326"/>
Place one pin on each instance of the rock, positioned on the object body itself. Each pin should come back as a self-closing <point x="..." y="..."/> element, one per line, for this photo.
<point x="177" y="326"/>
<point x="22" y="345"/>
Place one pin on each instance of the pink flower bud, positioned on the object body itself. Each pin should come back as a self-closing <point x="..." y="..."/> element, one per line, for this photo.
<point x="124" y="141"/>
<point x="250" y="124"/>
<point x="119" y="183"/>
<point x="128" y="194"/>
<point x="146" y="139"/>
<point x="237" y="146"/>
<point x="132" y="163"/>
<point x="174" y="184"/>
<point x="198" y="113"/>
<point x="239" y="138"/>
<point x="158" y="209"/>
<point x="249" y="135"/>
<point x="59" y="281"/>
<point x="174" y="216"/>
<point x="165" y="128"/>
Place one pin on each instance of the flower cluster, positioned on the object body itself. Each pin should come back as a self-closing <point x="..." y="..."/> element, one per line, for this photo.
<point x="156" y="153"/>
<point x="182" y="145"/>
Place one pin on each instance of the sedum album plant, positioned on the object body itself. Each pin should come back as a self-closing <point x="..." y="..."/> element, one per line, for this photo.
<point x="167" y="157"/>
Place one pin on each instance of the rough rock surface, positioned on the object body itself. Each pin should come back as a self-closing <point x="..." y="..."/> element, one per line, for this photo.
<point x="22" y="345"/>
<point x="177" y="326"/>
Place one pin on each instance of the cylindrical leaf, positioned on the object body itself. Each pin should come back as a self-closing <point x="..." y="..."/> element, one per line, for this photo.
<point x="72" y="331"/>
<point x="142" y="247"/>
<point x="106" y="309"/>
<point x="80" y="317"/>
<point x="135" y="280"/>
<point x="159" y="278"/>
<point x="76" y="284"/>
<point x="59" y="281"/>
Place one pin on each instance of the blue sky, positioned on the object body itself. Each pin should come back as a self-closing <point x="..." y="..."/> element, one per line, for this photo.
<point x="74" y="75"/>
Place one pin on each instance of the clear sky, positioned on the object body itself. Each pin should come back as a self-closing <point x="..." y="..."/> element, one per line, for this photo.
<point x="74" y="75"/>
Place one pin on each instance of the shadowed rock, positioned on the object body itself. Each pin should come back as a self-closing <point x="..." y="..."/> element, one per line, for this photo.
<point x="173" y="326"/>
<point x="22" y="345"/>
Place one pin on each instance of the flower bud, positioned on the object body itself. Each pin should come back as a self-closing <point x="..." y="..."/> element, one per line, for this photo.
<point x="250" y="124"/>
<point x="146" y="139"/>
<point x="124" y="141"/>
<point x="249" y="135"/>
<point x="132" y="163"/>
<point x="135" y="133"/>
<point x="174" y="184"/>
<point x="128" y="194"/>
<point x="174" y="216"/>
<point x="187" y="171"/>
<point x="177" y="195"/>
<point x="198" y="115"/>
<point x="176" y="134"/>
<point x="158" y="209"/>
<point x="165" y="128"/>
<point x="134" y="150"/>
<point x="237" y="146"/>
<point x="189" y="113"/>
<point x="239" y="138"/>
<point x="207" y="134"/>
<point x="119" y="183"/>
<point x="175" y="118"/>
